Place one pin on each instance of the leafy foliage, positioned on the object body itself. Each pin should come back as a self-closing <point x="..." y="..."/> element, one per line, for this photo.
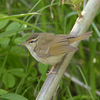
<point x="21" y="76"/>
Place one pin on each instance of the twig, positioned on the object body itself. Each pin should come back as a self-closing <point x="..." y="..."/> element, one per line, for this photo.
<point x="79" y="82"/>
<point x="51" y="9"/>
<point x="80" y="27"/>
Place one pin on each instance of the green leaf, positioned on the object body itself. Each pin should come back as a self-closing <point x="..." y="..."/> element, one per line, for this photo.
<point x="8" y="80"/>
<point x="12" y="96"/>
<point x="61" y="84"/>
<point x="21" y="39"/>
<point x="4" y="42"/>
<point x="42" y="68"/>
<point x="31" y="79"/>
<point x="3" y="23"/>
<point x="26" y="35"/>
<point x="19" y="51"/>
<point x="4" y="70"/>
<point x="2" y="91"/>
<point x="44" y="76"/>
<point x="4" y="17"/>
<point x="33" y="72"/>
<point x="4" y="34"/>
<point x="14" y="18"/>
<point x="23" y="22"/>
<point x="17" y="72"/>
<point x="12" y="26"/>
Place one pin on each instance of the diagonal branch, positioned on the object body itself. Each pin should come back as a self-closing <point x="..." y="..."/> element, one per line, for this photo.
<point x="80" y="27"/>
<point x="75" y="80"/>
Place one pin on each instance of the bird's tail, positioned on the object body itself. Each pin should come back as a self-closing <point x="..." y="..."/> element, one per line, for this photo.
<point x="79" y="37"/>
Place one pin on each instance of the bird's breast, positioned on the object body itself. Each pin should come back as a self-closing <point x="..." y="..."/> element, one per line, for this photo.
<point x="48" y="60"/>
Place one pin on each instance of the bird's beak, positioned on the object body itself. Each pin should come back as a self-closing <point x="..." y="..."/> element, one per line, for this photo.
<point x="23" y="43"/>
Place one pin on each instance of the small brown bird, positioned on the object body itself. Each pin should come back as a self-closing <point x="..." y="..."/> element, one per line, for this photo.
<point x="49" y="48"/>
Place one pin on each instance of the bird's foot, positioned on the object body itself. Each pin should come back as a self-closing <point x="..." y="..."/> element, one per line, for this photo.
<point x="51" y="72"/>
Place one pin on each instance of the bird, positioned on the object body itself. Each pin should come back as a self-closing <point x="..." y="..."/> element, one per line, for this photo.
<point x="49" y="48"/>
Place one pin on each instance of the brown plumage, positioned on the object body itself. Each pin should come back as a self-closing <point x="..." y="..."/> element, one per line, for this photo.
<point x="49" y="48"/>
<point x="56" y="44"/>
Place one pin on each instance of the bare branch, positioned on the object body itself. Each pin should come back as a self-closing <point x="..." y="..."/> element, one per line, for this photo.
<point x="79" y="82"/>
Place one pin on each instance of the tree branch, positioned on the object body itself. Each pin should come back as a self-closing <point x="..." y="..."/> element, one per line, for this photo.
<point x="80" y="27"/>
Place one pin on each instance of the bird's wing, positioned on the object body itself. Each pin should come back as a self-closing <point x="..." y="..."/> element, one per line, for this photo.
<point x="56" y="45"/>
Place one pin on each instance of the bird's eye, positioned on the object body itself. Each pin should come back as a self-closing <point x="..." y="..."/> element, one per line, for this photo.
<point x="31" y="41"/>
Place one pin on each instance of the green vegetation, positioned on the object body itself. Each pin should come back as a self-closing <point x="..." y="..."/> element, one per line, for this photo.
<point x="21" y="76"/>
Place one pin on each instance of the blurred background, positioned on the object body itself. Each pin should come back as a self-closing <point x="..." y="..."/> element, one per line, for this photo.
<point x="20" y="73"/>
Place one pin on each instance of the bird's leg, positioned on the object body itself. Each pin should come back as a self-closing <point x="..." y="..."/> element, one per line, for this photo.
<point x="51" y="71"/>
